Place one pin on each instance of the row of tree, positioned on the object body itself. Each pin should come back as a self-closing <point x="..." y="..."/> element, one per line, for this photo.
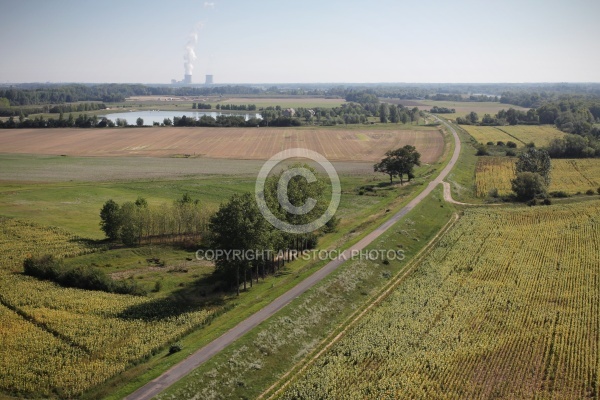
<point x="133" y="223"/>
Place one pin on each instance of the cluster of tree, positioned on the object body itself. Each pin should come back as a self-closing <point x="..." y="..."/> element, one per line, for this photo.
<point x="83" y="277"/>
<point x="237" y="107"/>
<point x="532" y="174"/>
<point x="442" y="110"/>
<point x="399" y="162"/>
<point x="239" y="226"/>
<point x="201" y="106"/>
<point x="132" y="223"/>
<point x="397" y="113"/>
<point x="574" y="146"/>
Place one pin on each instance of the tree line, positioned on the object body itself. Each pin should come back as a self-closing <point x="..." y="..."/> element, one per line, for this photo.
<point x="134" y="223"/>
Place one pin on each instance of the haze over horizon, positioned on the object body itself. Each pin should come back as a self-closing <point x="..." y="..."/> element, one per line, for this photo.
<point x="268" y="41"/>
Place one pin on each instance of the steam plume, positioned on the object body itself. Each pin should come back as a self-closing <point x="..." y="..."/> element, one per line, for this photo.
<point x="190" y="55"/>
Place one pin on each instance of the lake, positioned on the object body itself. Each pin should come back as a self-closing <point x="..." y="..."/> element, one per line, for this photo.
<point x="152" y="116"/>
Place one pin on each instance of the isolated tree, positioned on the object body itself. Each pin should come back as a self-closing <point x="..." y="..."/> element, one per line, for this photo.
<point x="139" y="121"/>
<point x="110" y="219"/>
<point x="536" y="161"/>
<point x="167" y="122"/>
<point x="383" y="113"/>
<point x="399" y="162"/>
<point x="394" y="114"/>
<point x="529" y="185"/>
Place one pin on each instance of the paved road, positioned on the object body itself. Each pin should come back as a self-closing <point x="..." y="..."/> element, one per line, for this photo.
<point x="178" y="371"/>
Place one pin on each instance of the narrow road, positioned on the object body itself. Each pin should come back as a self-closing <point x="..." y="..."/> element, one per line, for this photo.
<point x="178" y="371"/>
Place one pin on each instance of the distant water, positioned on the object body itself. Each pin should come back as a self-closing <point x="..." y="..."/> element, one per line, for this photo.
<point x="150" y="117"/>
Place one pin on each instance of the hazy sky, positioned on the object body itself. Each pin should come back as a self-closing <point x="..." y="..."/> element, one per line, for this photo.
<point x="243" y="41"/>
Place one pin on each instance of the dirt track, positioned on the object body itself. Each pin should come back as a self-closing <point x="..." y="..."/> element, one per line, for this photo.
<point x="228" y="143"/>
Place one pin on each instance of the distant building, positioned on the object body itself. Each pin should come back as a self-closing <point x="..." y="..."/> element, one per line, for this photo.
<point x="209" y="80"/>
<point x="289" y="112"/>
<point x="187" y="79"/>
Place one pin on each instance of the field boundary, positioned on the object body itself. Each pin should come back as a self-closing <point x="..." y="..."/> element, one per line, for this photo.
<point x="353" y="319"/>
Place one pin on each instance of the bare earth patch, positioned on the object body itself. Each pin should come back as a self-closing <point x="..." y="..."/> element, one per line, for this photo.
<point x="224" y="143"/>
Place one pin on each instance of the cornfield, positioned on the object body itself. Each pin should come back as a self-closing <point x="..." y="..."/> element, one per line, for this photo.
<point x="507" y="305"/>
<point x="60" y="342"/>
<point x="571" y="176"/>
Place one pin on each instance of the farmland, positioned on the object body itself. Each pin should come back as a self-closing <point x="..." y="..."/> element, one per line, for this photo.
<point x="463" y="107"/>
<point x="235" y="143"/>
<point x="58" y="341"/>
<point x="569" y="175"/>
<point x="505" y="306"/>
<point x="540" y="135"/>
<point x="91" y="337"/>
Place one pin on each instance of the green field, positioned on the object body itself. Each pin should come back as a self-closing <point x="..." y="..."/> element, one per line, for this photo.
<point x="505" y="306"/>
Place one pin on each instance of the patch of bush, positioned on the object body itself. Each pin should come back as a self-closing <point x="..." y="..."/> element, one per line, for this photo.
<point x="598" y="190"/>
<point x="532" y="203"/>
<point x="547" y="202"/>
<point x="589" y="192"/>
<point x="499" y="143"/>
<point x="511" y="144"/>
<point x="490" y="143"/>
<point x="482" y="150"/>
<point x="82" y="277"/>
<point x="175" y="348"/>
<point x="511" y="153"/>
<point x="559" y="194"/>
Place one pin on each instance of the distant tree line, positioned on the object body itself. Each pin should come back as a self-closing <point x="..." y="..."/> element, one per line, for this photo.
<point x="237" y="107"/>
<point x="201" y="106"/>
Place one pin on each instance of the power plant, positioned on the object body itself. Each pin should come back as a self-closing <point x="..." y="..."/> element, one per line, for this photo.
<point x="187" y="79"/>
<point x="209" y="80"/>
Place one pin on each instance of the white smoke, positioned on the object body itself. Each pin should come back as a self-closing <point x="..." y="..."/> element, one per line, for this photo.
<point x="190" y="55"/>
<point x="208" y="4"/>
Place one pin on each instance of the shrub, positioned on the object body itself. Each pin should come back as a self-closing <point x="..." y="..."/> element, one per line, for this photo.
<point x="530" y="145"/>
<point x="598" y="190"/>
<point x="547" y="202"/>
<point x="589" y="192"/>
<point x="493" y="192"/>
<point x="490" y="143"/>
<point x="500" y="143"/>
<point x="511" y="144"/>
<point x="482" y="150"/>
<point x="559" y="194"/>
<point x="83" y="277"/>
<point x="532" y="202"/>
<point x="175" y="348"/>
<point x="511" y="153"/>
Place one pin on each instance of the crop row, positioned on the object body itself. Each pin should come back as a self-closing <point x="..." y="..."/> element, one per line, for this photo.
<point x="506" y="305"/>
